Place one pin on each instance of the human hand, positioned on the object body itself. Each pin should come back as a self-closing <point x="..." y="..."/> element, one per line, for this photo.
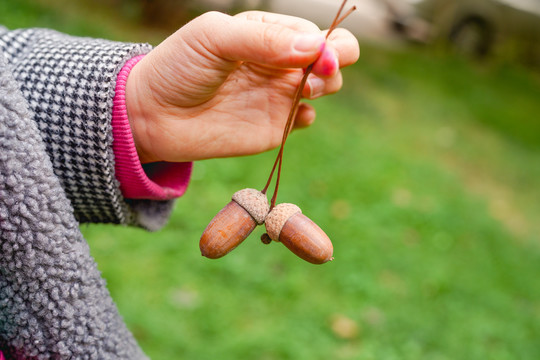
<point x="223" y="85"/>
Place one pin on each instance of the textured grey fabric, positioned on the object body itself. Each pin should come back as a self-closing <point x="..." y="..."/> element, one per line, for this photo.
<point x="53" y="302"/>
<point x="69" y="84"/>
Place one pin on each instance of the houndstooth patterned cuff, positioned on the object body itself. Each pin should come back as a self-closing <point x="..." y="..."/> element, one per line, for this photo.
<point x="69" y="84"/>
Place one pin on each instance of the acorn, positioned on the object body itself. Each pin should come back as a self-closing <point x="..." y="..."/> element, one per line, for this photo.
<point x="233" y="224"/>
<point x="286" y="223"/>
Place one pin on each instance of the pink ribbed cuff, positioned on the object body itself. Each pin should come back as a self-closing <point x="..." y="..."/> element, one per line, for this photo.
<point x="1" y="356"/>
<point x="160" y="181"/>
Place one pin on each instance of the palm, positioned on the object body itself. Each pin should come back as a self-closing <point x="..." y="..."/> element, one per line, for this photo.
<point x="257" y="101"/>
<point x="251" y="106"/>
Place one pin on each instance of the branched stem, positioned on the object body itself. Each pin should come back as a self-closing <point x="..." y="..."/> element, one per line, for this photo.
<point x="294" y="110"/>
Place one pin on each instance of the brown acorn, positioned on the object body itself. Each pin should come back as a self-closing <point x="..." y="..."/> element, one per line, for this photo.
<point x="233" y="224"/>
<point x="286" y="223"/>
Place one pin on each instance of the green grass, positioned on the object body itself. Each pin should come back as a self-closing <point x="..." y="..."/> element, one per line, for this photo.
<point x="425" y="173"/>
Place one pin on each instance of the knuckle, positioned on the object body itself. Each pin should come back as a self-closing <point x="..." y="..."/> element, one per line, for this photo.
<point x="211" y="19"/>
<point x="212" y="15"/>
<point x="269" y="35"/>
<point x="275" y="40"/>
<point x="250" y="15"/>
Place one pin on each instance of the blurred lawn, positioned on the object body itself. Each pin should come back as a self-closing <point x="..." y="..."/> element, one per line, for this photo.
<point x="424" y="171"/>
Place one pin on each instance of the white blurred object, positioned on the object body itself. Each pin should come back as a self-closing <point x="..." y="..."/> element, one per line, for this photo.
<point x="225" y="5"/>
<point x="379" y="21"/>
<point x="531" y="6"/>
<point x="481" y="27"/>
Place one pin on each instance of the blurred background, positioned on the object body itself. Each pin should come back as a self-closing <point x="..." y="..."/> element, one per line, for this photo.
<point x="424" y="171"/>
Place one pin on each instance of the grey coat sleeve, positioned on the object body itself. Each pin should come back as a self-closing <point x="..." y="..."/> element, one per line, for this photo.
<point x="69" y="84"/>
<point x="53" y="302"/>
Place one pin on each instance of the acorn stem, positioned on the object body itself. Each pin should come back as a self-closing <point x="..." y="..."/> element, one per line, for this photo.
<point x="340" y="20"/>
<point x="294" y="110"/>
<point x="338" y="14"/>
<point x="265" y="239"/>
<point x="286" y="132"/>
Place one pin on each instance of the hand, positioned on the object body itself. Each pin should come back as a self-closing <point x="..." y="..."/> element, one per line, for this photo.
<point x="223" y="85"/>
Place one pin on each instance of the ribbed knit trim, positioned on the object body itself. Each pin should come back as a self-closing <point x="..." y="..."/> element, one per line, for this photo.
<point x="164" y="181"/>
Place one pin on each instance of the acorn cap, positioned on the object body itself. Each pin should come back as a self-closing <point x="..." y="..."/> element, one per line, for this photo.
<point x="254" y="202"/>
<point x="277" y="218"/>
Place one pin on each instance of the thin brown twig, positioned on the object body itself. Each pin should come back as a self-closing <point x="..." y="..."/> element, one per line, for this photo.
<point x="338" y="14"/>
<point x="340" y="20"/>
<point x="288" y="128"/>
<point x="294" y="109"/>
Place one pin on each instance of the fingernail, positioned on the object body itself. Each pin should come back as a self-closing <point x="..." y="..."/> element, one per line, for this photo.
<point x="328" y="64"/>
<point x="308" y="42"/>
<point x="316" y="87"/>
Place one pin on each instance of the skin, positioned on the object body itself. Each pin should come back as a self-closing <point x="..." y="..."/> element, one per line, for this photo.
<point x="222" y="85"/>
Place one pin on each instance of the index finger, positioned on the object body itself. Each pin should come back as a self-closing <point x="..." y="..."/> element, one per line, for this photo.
<point x="292" y="22"/>
<point x="341" y="40"/>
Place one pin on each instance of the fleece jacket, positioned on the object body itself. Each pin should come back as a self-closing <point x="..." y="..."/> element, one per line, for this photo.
<point x="57" y="170"/>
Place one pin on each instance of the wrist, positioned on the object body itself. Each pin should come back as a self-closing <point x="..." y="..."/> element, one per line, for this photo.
<point x="137" y="100"/>
<point x="156" y="181"/>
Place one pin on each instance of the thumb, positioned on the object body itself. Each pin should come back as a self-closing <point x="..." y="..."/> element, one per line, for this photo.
<point x="271" y="44"/>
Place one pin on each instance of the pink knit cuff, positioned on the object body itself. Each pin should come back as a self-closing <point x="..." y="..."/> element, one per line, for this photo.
<point x="157" y="181"/>
<point x="1" y="356"/>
